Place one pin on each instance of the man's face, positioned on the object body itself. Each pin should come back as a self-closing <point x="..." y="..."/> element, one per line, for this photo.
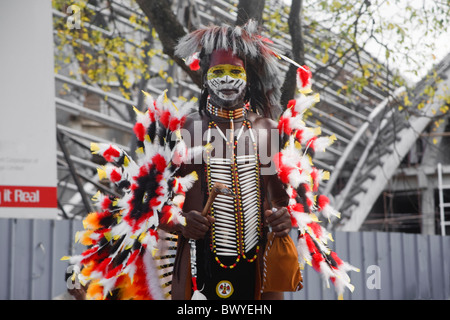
<point x="226" y="79"/>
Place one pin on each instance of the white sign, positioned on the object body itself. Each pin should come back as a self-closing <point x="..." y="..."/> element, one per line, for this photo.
<point x="28" y="174"/>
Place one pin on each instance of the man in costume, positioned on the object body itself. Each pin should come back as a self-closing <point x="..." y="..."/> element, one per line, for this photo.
<point x="224" y="249"/>
<point x="231" y="239"/>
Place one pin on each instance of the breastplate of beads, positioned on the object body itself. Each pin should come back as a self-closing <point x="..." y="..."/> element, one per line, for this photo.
<point x="237" y="227"/>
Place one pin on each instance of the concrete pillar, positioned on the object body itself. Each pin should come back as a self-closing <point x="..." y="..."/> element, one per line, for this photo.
<point x="428" y="210"/>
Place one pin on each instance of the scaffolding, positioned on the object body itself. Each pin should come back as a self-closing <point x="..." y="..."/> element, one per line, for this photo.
<point x="372" y="134"/>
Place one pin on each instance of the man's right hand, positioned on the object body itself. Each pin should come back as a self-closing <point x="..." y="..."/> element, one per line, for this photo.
<point x="196" y="225"/>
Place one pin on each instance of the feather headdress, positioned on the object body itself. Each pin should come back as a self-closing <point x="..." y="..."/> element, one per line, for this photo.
<point x="127" y="252"/>
<point x="245" y="42"/>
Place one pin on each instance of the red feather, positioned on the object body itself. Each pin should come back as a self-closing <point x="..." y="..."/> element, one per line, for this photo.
<point x="139" y="130"/>
<point x="115" y="176"/>
<point x="284" y="125"/>
<point x="311" y="143"/>
<point x="182" y="121"/>
<point x="174" y="123"/>
<point x="154" y="202"/>
<point x="299" y="135"/>
<point x="284" y="174"/>
<point x="159" y="191"/>
<point x="144" y="170"/>
<point x="106" y="203"/>
<point x="166" y="215"/>
<point x="304" y="75"/>
<point x="165" y="118"/>
<point x="158" y="178"/>
<point x="336" y="258"/>
<point x="315" y="176"/>
<point x="113" y="272"/>
<point x="153" y="233"/>
<point x="294" y="194"/>
<point x="316" y="228"/>
<point x="159" y="162"/>
<point x="283" y="170"/>
<point x="294" y="222"/>
<point x="322" y="202"/>
<point x="195" y="65"/>
<point x="306" y="187"/>
<point x="89" y="251"/>
<point x="140" y="280"/>
<point x="310" y="243"/>
<point x="151" y="114"/>
<point x="291" y="103"/>
<point x="298" y="207"/>
<point x="111" y="153"/>
<point x="317" y="258"/>
<point x="194" y="283"/>
<point x="93" y="255"/>
<point x="132" y="257"/>
<point x="103" y="265"/>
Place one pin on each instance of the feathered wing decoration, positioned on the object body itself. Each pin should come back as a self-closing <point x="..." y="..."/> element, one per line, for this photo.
<point x="296" y="170"/>
<point x="128" y="256"/>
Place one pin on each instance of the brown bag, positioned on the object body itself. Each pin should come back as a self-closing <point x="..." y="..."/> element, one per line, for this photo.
<point x="281" y="270"/>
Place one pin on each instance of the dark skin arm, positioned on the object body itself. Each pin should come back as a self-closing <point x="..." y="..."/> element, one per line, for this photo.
<point x="279" y="220"/>
<point x="196" y="225"/>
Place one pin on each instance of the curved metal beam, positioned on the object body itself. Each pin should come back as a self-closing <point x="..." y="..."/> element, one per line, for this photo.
<point x="356" y="138"/>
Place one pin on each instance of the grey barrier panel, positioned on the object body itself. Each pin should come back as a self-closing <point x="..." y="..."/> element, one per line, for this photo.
<point x="392" y="265"/>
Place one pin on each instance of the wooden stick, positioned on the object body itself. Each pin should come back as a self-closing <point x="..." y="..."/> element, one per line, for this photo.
<point x="218" y="188"/>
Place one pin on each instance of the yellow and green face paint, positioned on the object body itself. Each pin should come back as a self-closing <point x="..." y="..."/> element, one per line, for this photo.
<point x="223" y="70"/>
<point x="227" y="81"/>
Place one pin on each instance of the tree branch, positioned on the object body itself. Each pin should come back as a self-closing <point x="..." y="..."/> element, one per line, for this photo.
<point x="298" y="52"/>
<point x="249" y="9"/>
<point x="169" y="29"/>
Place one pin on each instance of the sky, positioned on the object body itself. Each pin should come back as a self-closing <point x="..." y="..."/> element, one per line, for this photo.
<point x="392" y="11"/>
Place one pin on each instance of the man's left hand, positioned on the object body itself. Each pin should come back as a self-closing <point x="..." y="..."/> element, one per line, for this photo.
<point x="279" y="220"/>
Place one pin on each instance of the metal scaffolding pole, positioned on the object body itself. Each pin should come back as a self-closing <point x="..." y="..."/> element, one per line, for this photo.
<point x="73" y="171"/>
